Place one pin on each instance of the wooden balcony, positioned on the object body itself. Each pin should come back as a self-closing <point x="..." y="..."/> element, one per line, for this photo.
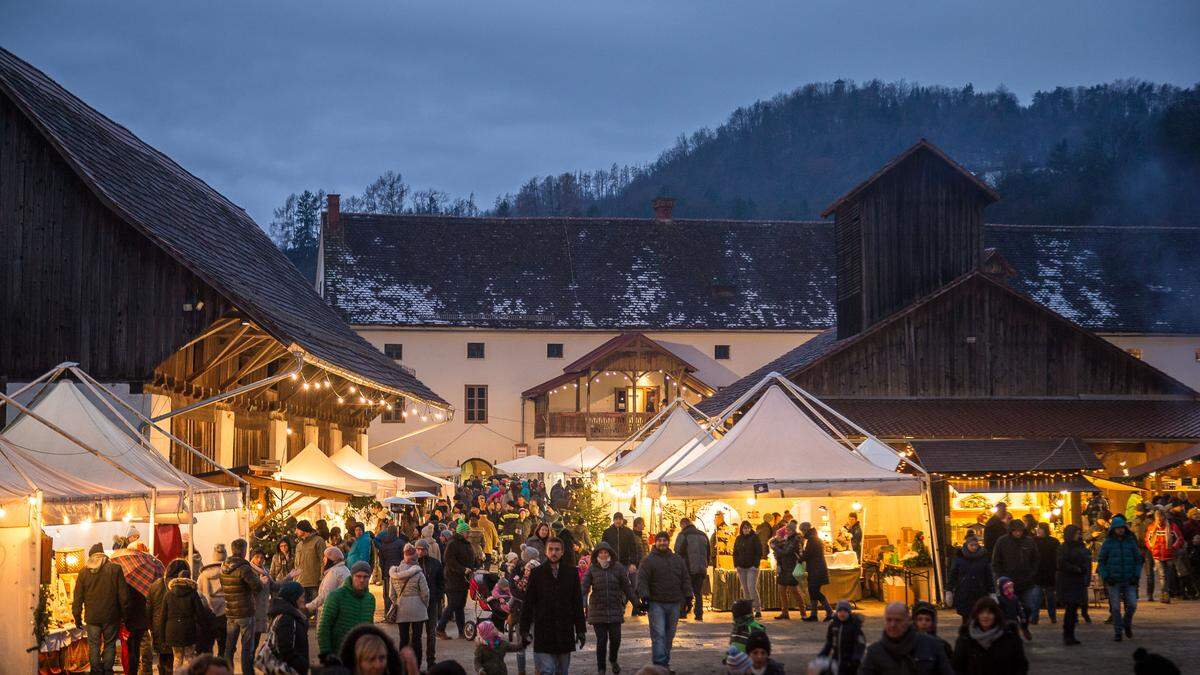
<point x="595" y="426"/>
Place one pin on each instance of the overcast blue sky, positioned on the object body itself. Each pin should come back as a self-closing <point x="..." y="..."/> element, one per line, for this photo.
<point x="265" y="98"/>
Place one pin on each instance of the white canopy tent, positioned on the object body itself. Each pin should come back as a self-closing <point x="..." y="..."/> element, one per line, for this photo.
<point x="777" y="443"/>
<point x="584" y="460"/>
<point x="880" y="454"/>
<point x="314" y="468"/>
<point x="361" y="468"/>
<point x="677" y="430"/>
<point x="532" y="464"/>
<point x="416" y="459"/>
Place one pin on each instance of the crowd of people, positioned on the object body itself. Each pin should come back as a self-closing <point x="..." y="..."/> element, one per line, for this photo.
<point x="539" y="581"/>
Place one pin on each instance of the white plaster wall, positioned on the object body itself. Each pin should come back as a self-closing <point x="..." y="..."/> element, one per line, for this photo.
<point x="516" y="360"/>
<point x="1174" y="355"/>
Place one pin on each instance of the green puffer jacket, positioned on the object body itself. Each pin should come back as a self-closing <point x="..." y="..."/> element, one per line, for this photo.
<point x="344" y="609"/>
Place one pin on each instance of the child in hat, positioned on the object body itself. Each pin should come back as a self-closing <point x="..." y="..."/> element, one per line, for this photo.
<point x="490" y="649"/>
<point x="1014" y="612"/>
<point x="744" y="624"/>
<point x="844" y="640"/>
<point x="758" y="648"/>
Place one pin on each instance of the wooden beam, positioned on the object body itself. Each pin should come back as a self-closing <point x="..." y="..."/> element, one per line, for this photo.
<point x="218" y="326"/>
<point x="260" y="360"/>
<point x="220" y="356"/>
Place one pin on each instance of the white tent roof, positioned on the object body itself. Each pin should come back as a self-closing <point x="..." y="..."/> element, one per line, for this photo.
<point x="415" y="458"/>
<point x="587" y="457"/>
<point x="21" y="475"/>
<point x="879" y="454"/>
<point x="128" y="466"/>
<point x="777" y="443"/>
<point x="314" y="468"/>
<point x="532" y="464"/>
<point x="678" y="429"/>
<point x="360" y="467"/>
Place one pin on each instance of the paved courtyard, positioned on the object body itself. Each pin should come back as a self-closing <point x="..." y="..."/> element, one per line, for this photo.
<point x="1172" y="630"/>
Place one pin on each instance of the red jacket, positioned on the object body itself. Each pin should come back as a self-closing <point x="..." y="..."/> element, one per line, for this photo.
<point x="1163" y="542"/>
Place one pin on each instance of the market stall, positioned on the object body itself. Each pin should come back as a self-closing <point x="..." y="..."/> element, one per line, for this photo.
<point x="349" y="460"/>
<point x="416" y="459"/>
<point x="532" y="464"/>
<point x="417" y="481"/>
<point x="783" y="455"/>
<point x="676" y="429"/>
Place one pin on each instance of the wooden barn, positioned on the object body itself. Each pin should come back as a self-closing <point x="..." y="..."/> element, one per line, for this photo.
<point x="934" y="351"/>
<point x="115" y="257"/>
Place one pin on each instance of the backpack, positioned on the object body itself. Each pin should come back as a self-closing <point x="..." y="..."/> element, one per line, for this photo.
<point x="266" y="659"/>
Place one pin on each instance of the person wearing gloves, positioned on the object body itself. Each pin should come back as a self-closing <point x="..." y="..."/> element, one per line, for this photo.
<point x="554" y="610"/>
<point x="1120" y="566"/>
<point x="346" y="607"/>
<point x="336" y="573"/>
<point x="607" y="588"/>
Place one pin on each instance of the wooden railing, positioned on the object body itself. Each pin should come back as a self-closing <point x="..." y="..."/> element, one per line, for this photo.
<point x="597" y="426"/>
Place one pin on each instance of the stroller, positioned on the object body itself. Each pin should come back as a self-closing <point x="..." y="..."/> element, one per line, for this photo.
<point x="479" y="588"/>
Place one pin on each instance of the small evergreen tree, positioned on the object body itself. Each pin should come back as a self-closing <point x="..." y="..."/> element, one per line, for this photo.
<point x="589" y="505"/>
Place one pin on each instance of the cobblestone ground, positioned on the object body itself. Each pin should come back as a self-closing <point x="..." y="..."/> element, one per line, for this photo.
<point x="1172" y="630"/>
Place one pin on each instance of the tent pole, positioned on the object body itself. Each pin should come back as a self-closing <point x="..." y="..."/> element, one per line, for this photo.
<point x="935" y="549"/>
<point x="191" y="511"/>
<point x="153" y="519"/>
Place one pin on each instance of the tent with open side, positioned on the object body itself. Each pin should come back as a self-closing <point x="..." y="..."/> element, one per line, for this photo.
<point x="350" y="461"/>
<point x="418" y="481"/>
<point x="314" y="468"/>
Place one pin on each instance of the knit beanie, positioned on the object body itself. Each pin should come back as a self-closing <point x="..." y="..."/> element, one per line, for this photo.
<point x="462" y="528"/>
<point x="758" y="640"/>
<point x="219" y="554"/>
<point x="510" y="557"/>
<point x="737" y="661"/>
<point x="334" y="553"/>
<point x="742" y="608"/>
<point x="529" y="553"/>
<point x="842" y="604"/>
<point x="290" y="591"/>
<point x="423" y="543"/>
<point x="446" y="534"/>
<point x="487" y="632"/>
<point x="360" y="566"/>
<point x="96" y="548"/>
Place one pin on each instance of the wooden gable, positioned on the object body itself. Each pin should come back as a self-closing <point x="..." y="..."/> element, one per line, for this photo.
<point x="977" y="338"/>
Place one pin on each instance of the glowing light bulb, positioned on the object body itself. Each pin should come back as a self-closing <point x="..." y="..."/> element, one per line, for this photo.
<point x="362" y="399"/>
<point x="1059" y="503"/>
<point x="857" y="506"/>
<point x="295" y="377"/>
<point x="33" y="501"/>
<point x="3" y="512"/>
<point x="751" y="501"/>
<point x="424" y="418"/>
<point x="439" y="415"/>
<point x="127" y="517"/>
<point x="305" y="386"/>
<point x="1057" y="512"/>
<point x="353" y="389"/>
<point x="289" y="430"/>
<point x="341" y="400"/>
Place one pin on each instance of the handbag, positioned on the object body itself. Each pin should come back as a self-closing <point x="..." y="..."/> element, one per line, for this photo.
<point x="392" y="612"/>
<point x="266" y="659"/>
<point x="800" y="569"/>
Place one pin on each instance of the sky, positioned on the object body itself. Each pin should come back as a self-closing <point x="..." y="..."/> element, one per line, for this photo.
<point x="265" y="98"/>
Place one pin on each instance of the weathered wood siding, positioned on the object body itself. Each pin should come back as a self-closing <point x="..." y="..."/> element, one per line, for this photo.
<point x="76" y="282"/>
<point x="915" y="229"/>
<point x="979" y="339"/>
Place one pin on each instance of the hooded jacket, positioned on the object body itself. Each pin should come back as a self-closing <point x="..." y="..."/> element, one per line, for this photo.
<point x="410" y="592"/>
<point x="345" y="650"/>
<point x="970" y="578"/>
<point x="1004" y="656"/>
<point x="607" y="589"/>
<point x="1074" y="569"/>
<point x="239" y="585"/>
<point x="845" y="643"/>
<point x="208" y="584"/>
<point x="693" y="546"/>
<point x="102" y="591"/>
<point x="183" y="613"/>
<point x="1120" y="559"/>
<point x="663" y="577"/>
<point x="1016" y="558"/>
<point x="814" y="560"/>
<point x="289" y="626"/>
<point x="310" y="552"/>
<point x="391" y="550"/>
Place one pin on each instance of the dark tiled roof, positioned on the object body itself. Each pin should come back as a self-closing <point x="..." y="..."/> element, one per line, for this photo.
<point x="581" y="273"/>
<point x="206" y="233"/>
<point x="968" y="456"/>
<point x="813" y="349"/>
<point x="634" y="274"/>
<point x="1087" y="419"/>
<point x="595" y="357"/>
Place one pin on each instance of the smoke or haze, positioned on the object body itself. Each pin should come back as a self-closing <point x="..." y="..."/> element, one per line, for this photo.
<point x="266" y="98"/>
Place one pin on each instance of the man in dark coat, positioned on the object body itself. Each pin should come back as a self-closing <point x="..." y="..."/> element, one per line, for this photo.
<point x="623" y="542"/>
<point x="239" y="584"/>
<point x="458" y="559"/>
<point x="818" y="574"/>
<point x="664" y="585"/>
<point x="903" y="649"/>
<point x="102" y="591"/>
<point x="995" y="527"/>
<point x="1074" y="565"/>
<point x="1047" y="547"/>
<point x="391" y="553"/>
<point x="970" y="576"/>
<point x="1016" y="557"/>
<point x="554" y="610"/>
<point x="694" y="547"/>
<point x="432" y="569"/>
<point x="766" y="530"/>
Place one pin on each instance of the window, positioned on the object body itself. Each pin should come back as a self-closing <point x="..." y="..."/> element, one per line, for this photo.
<point x="476" y="404"/>
<point x="396" y="414"/>
<point x="721" y="352"/>
<point x="1135" y="352"/>
<point x="474" y="350"/>
<point x="394" y="351"/>
<point x="554" y="350"/>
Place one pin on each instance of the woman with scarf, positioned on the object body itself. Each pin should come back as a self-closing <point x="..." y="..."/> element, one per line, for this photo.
<point x="747" y="553"/>
<point x="988" y="645"/>
<point x="970" y="577"/>
<point x="538" y="541"/>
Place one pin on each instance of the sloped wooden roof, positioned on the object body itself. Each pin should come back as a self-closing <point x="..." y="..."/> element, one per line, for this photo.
<point x="201" y="229"/>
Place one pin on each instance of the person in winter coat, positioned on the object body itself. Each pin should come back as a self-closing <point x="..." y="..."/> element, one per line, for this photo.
<point x="1120" y="566"/>
<point x="607" y="588"/>
<point x="309" y="557"/>
<point x="282" y="563"/>
<point x="541" y="534"/>
<point x="818" y="573"/>
<point x="289" y="627"/>
<point x="1164" y="541"/>
<point x="336" y="573"/>
<point x="391" y="553"/>
<point x="1016" y="557"/>
<point x="663" y="586"/>
<point x="554" y="610"/>
<point x="743" y="625"/>
<point x="141" y="570"/>
<point x="490" y="649"/>
<point x="844" y="640"/>
<point x="432" y="569"/>
<point x="239" y="586"/>
<point x="694" y="547"/>
<point x="364" y="544"/>
<point x="758" y="648"/>
<point x="623" y="542"/>
<point x="262" y="599"/>
<point x="987" y="645"/>
<point x="903" y="649"/>
<point x="348" y="606"/>
<point x="925" y="621"/>
<point x="208" y="584"/>
<point x="1011" y="607"/>
<point x="101" y="590"/>
<point x="970" y="576"/>
<point x="458" y="560"/>
<point x="182" y="616"/>
<point x="410" y="595"/>
<point x="766" y="530"/>
<point x="367" y="650"/>
<point x="1047" y="547"/>
<point x="154" y="599"/>
<point x="1074" y="566"/>
<point x="996" y="526"/>
<point x="787" y="548"/>
<point x="747" y="555"/>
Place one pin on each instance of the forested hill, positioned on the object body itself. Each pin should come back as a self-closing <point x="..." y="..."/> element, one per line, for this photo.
<point x="1120" y="153"/>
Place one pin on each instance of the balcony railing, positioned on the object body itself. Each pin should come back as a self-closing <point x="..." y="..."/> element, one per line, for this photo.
<point x="597" y="426"/>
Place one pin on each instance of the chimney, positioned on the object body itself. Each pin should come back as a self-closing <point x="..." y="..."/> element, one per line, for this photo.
<point x="331" y="220"/>
<point x="663" y="208"/>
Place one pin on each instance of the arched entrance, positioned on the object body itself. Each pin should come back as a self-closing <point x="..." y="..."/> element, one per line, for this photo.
<point x="477" y="468"/>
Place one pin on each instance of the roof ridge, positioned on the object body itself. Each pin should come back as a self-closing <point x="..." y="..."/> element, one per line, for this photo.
<point x="1036" y="226"/>
<point x="576" y="219"/>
